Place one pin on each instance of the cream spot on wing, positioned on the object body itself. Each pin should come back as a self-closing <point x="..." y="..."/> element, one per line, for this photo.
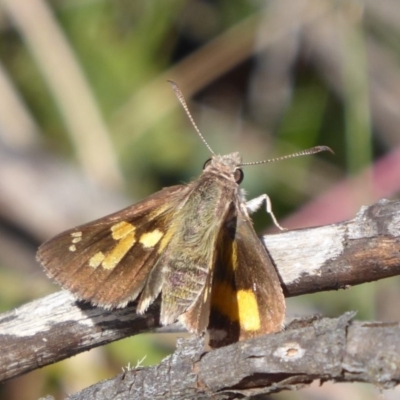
<point x="76" y="238"/>
<point x="122" y="229"/>
<point x="118" y="252"/>
<point x="150" y="239"/>
<point x="122" y="232"/>
<point x="205" y="296"/>
<point x="72" y="248"/>
<point x="96" y="260"/>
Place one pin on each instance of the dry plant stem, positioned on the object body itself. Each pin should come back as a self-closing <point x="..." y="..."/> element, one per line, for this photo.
<point x="52" y="53"/>
<point x="353" y="252"/>
<point x="208" y="63"/>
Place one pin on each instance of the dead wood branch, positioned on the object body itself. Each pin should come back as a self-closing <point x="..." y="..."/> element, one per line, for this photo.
<point x="327" y="349"/>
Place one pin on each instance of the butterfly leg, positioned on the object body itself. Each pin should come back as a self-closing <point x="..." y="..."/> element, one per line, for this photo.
<point x="254" y="204"/>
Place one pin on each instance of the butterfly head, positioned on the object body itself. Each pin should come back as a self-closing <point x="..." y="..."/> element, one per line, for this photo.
<point x="227" y="165"/>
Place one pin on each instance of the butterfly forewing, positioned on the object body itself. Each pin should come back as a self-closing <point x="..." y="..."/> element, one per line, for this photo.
<point x="107" y="261"/>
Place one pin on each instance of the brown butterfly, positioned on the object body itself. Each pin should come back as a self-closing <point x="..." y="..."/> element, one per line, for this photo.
<point x="194" y="244"/>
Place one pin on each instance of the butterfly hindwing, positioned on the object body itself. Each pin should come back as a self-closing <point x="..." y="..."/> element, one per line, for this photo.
<point x="247" y="298"/>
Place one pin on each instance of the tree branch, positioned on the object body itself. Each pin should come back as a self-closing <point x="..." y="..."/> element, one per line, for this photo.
<point x="308" y="260"/>
<point x="321" y="348"/>
<point x="337" y="256"/>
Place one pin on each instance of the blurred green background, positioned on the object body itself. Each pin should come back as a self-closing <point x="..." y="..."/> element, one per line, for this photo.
<point x="89" y="124"/>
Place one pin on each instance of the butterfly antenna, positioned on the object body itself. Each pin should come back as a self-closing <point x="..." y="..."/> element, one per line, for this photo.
<point x="182" y="100"/>
<point x="312" y="150"/>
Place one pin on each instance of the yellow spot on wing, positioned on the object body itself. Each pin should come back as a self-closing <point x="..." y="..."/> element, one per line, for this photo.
<point x="150" y="239"/>
<point x="206" y="293"/>
<point x="233" y="255"/>
<point x="72" y="248"/>
<point x="76" y="234"/>
<point x="96" y="260"/>
<point x="122" y="229"/>
<point x="249" y="315"/>
<point x="118" y="252"/>
<point x="165" y="240"/>
<point x="237" y="305"/>
<point x="124" y="235"/>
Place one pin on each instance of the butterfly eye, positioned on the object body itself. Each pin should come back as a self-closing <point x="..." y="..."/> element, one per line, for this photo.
<point x="238" y="175"/>
<point x="206" y="163"/>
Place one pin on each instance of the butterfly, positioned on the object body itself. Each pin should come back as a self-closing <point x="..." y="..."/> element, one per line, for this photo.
<point x="194" y="245"/>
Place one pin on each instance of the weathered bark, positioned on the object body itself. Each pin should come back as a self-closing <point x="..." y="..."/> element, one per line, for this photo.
<point x="327" y="349"/>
